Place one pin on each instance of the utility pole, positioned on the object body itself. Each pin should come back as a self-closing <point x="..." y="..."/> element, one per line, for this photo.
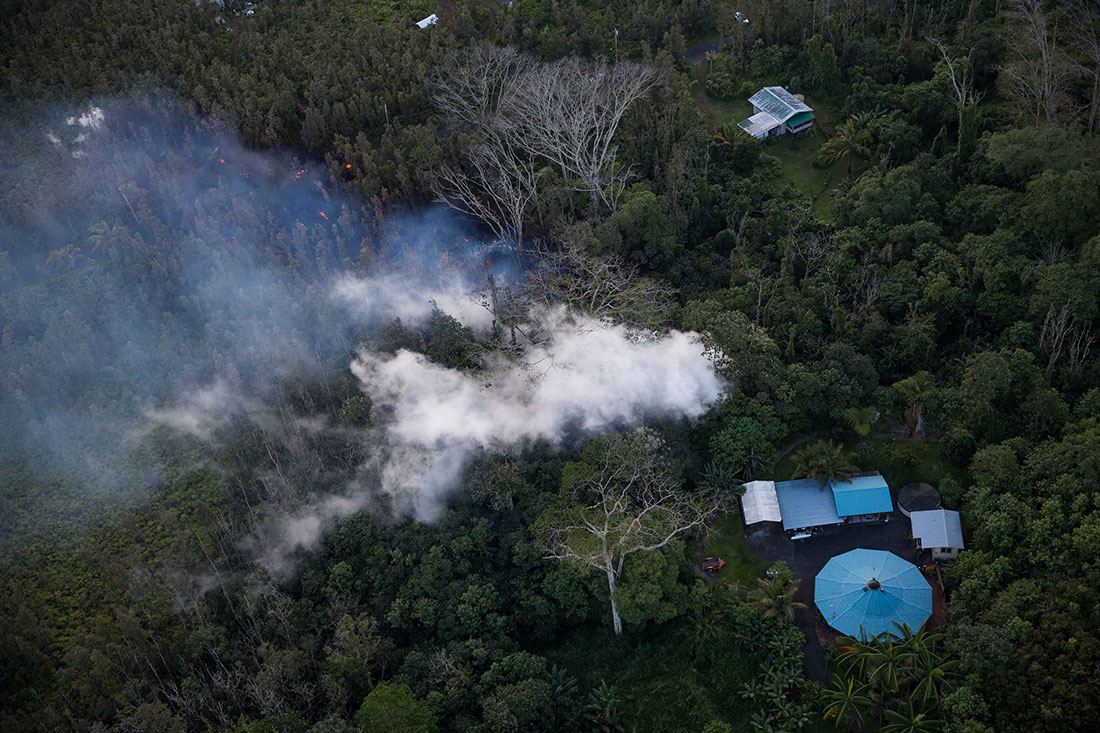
<point x="616" y="46"/>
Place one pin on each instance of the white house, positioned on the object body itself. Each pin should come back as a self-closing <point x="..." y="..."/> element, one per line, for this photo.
<point x="938" y="530"/>
<point x="430" y="20"/>
<point x="777" y="112"/>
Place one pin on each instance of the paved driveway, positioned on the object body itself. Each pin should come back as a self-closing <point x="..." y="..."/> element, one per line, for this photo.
<point x="696" y="54"/>
<point x="806" y="557"/>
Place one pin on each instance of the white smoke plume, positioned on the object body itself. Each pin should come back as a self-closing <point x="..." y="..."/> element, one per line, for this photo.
<point x="202" y="411"/>
<point x="585" y="375"/>
<point x="394" y="295"/>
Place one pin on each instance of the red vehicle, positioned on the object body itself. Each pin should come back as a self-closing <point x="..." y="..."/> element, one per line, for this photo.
<point x="713" y="563"/>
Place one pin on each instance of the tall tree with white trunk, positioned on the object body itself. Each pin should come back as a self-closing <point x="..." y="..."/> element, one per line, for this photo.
<point x="521" y="116"/>
<point x="568" y="112"/>
<point x="621" y="498"/>
<point x="1038" y="72"/>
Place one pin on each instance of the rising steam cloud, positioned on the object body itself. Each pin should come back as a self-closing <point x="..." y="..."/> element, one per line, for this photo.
<point x="587" y="375"/>
<point x="157" y="274"/>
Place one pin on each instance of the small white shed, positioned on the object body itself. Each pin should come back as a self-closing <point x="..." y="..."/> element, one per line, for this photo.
<point x="760" y="503"/>
<point x="938" y="530"/>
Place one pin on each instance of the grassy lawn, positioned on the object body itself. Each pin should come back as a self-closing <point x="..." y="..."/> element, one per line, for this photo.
<point x="899" y="461"/>
<point x="719" y="111"/>
<point x="727" y="541"/>
<point x="796" y="153"/>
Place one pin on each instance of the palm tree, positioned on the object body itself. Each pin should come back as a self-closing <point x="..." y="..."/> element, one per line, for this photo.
<point x="930" y="675"/>
<point x="855" y="655"/>
<point x="851" y="141"/>
<point x="720" y="476"/>
<point x="861" y="418"/>
<point x="909" y="721"/>
<point x="602" y="710"/>
<point x="726" y="134"/>
<point x="824" y="460"/>
<point x="887" y="664"/>
<point x="846" y="702"/>
<point x="917" y="390"/>
<point x="754" y="461"/>
<point x="774" y="598"/>
<point x="703" y="632"/>
<point x="105" y="237"/>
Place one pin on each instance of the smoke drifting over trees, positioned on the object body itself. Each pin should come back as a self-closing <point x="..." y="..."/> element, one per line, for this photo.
<point x="228" y="287"/>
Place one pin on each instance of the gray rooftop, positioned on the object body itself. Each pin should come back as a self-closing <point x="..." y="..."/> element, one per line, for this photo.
<point x="937" y="528"/>
<point x="759" y="124"/>
<point x="779" y="103"/>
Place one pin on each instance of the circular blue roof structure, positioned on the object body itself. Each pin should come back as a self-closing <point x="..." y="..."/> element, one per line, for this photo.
<point x="864" y="593"/>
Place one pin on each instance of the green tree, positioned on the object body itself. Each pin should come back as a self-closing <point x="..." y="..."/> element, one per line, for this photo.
<point x="824" y="460"/>
<point x="823" y="72"/>
<point x="392" y="708"/>
<point x="352" y="659"/>
<point x="846" y="702"/>
<point x="850" y="141"/>
<point x="774" y="598"/>
<point x="355" y="411"/>
<point x="917" y="391"/>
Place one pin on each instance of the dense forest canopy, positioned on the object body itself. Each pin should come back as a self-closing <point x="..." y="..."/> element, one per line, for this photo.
<point x="363" y="376"/>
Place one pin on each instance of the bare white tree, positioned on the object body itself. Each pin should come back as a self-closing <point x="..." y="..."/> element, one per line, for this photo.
<point x="1084" y="39"/>
<point x="1038" y="75"/>
<point x="811" y="248"/>
<point x="568" y="112"/>
<point x="961" y="74"/>
<point x="621" y="499"/>
<point x="1063" y="335"/>
<point x="523" y="115"/>
<point x="497" y="189"/>
<point x="470" y="89"/>
<point x="606" y="287"/>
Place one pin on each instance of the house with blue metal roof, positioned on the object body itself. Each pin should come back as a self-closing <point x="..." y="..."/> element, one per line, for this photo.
<point x="872" y="594"/>
<point x="861" y="497"/>
<point x="805" y="503"/>
<point x="777" y="112"/>
<point x="940" y="531"/>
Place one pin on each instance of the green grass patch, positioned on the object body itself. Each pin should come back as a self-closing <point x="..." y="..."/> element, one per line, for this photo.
<point x="727" y="541"/>
<point x="899" y="461"/>
<point x="716" y="111"/>
<point x="796" y="153"/>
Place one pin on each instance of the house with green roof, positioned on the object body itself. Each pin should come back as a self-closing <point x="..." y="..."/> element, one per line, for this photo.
<point x="777" y="112"/>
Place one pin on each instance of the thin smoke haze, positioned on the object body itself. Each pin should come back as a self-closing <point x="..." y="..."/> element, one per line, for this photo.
<point x="268" y="274"/>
